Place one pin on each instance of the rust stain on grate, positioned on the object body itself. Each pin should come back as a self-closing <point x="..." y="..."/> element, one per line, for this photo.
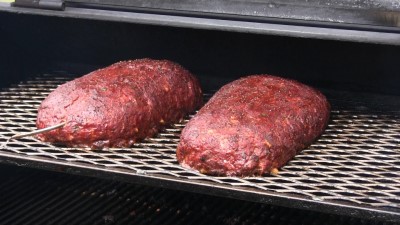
<point x="356" y="160"/>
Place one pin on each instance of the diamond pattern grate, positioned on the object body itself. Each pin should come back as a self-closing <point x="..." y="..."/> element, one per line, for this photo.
<point x="355" y="162"/>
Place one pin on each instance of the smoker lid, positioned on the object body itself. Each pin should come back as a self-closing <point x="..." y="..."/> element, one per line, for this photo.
<point x="366" y="21"/>
<point x="335" y="12"/>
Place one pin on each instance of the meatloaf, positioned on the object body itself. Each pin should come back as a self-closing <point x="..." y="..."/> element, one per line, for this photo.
<point x="253" y="126"/>
<point x="120" y="104"/>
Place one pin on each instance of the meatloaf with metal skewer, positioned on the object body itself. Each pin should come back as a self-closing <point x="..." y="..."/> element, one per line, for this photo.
<point x="120" y="104"/>
<point x="253" y="126"/>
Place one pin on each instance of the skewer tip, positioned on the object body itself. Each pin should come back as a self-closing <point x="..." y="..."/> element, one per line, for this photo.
<point x="21" y="135"/>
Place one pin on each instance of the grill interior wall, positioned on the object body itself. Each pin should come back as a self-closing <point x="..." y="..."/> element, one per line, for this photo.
<point x="33" y="42"/>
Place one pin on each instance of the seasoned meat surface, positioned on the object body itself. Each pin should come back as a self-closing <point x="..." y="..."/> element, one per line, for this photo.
<point x="120" y="104"/>
<point x="252" y="126"/>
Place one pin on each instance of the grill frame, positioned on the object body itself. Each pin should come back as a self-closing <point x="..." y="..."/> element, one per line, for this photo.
<point x="33" y="157"/>
<point x="70" y="199"/>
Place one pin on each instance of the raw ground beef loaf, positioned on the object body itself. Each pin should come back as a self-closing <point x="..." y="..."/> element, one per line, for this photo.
<point x="120" y="104"/>
<point x="252" y="126"/>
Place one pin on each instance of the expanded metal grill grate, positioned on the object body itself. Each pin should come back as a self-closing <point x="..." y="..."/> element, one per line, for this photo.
<point x="353" y="168"/>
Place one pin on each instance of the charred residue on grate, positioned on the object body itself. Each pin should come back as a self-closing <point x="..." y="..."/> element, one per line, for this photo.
<point x="356" y="160"/>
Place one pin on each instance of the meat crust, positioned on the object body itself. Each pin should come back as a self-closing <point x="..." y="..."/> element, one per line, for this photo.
<point x="252" y="126"/>
<point x="120" y="104"/>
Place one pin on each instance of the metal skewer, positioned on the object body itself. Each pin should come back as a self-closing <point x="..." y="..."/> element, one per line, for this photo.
<point x="21" y="135"/>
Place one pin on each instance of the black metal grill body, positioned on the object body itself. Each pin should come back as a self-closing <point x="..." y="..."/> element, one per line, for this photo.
<point x="353" y="169"/>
